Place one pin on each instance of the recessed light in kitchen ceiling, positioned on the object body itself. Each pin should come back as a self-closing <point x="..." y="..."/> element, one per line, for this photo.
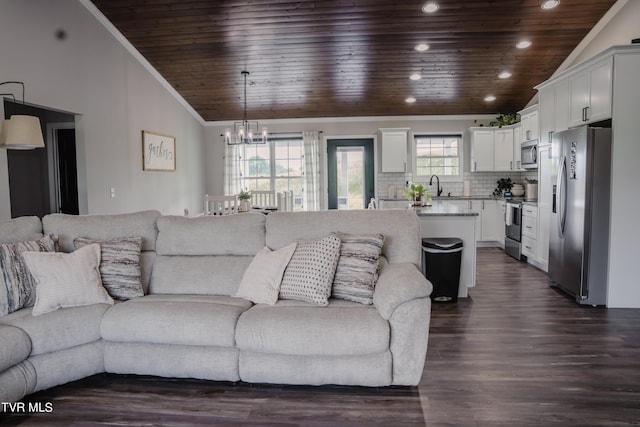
<point x="422" y="47"/>
<point x="550" y="4"/>
<point x="504" y="75"/>
<point x="415" y="76"/>
<point x="430" y="7"/>
<point x="489" y="98"/>
<point x="410" y="100"/>
<point x="523" y="44"/>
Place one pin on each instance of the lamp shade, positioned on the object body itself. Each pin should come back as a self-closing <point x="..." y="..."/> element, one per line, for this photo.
<point x="21" y="132"/>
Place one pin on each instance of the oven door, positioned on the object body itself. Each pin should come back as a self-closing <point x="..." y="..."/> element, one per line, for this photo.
<point x="513" y="221"/>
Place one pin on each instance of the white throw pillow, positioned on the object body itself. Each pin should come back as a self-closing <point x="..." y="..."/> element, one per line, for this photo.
<point x="261" y="281"/>
<point x="66" y="280"/>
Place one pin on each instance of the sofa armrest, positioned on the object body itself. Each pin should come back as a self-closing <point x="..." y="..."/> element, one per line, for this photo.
<point x="397" y="284"/>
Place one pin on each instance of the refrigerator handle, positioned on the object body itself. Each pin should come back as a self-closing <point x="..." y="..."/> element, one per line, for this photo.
<point x="561" y="195"/>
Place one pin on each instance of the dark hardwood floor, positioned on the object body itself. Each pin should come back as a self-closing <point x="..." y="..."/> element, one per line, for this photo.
<point x="516" y="353"/>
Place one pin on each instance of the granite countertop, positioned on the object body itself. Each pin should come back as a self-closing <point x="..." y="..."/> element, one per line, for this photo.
<point x="442" y="208"/>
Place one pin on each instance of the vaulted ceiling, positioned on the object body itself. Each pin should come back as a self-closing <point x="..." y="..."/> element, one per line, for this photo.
<point x="347" y="58"/>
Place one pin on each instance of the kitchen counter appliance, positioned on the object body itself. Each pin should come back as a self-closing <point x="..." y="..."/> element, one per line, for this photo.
<point x="579" y="229"/>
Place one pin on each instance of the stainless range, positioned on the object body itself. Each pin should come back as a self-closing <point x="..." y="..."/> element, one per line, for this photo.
<point x="513" y="229"/>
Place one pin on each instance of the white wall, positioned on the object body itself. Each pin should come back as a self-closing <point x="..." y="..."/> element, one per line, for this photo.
<point x="620" y="30"/>
<point x="91" y="74"/>
<point x="336" y="127"/>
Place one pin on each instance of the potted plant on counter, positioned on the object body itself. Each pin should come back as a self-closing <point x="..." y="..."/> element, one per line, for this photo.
<point x="245" y="201"/>
<point x="414" y="193"/>
<point x="504" y="184"/>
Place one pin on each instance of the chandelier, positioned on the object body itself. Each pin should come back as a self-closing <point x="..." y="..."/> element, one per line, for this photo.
<point x="245" y="131"/>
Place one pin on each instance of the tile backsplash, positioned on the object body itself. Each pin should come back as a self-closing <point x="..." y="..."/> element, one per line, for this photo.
<point x="482" y="183"/>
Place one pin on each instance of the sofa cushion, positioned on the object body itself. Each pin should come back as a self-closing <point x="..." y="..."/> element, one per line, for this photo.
<point x="297" y="328"/>
<point x="261" y="281"/>
<point x="67" y="280"/>
<point x="20" y="229"/>
<point x="202" y="275"/>
<point x="15" y="346"/>
<point x="211" y="235"/>
<point x="17" y="285"/>
<point x="60" y="329"/>
<point x="103" y="227"/>
<point x="401" y="229"/>
<point x="309" y="275"/>
<point x="357" y="270"/>
<point x="175" y="319"/>
<point x="119" y="265"/>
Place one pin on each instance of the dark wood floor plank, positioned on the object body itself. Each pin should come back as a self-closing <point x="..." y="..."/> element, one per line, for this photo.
<point x="516" y="353"/>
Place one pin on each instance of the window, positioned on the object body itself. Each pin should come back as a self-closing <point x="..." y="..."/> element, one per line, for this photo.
<point x="438" y="155"/>
<point x="276" y="166"/>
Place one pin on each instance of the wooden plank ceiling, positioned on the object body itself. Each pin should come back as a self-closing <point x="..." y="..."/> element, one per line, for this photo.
<point x="350" y="58"/>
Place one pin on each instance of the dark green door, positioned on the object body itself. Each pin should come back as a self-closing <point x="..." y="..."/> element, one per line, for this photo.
<point x="351" y="173"/>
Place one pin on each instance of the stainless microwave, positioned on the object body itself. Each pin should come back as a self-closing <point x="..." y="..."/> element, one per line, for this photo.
<point x="529" y="154"/>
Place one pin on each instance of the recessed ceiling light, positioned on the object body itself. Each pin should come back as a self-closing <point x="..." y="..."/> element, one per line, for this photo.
<point x="489" y="98"/>
<point x="550" y="4"/>
<point x="523" y="44"/>
<point x="415" y="76"/>
<point x="422" y="47"/>
<point x="504" y="75"/>
<point x="410" y="100"/>
<point x="430" y="7"/>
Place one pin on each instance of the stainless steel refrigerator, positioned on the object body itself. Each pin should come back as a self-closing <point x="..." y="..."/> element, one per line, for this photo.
<point x="579" y="228"/>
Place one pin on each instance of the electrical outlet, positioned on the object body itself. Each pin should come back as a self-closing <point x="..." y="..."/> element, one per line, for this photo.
<point x="113" y="193"/>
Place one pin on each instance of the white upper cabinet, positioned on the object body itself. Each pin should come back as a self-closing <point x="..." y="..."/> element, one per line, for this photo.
<point x="394" y="150"/>
<point x="494" y="149"/>
<point x="590" y="93"/>
<point x="503" y="149"/>
<point x="482" y="150"/>
<point x="517" y="153"/>
<point x="529" y="124"/>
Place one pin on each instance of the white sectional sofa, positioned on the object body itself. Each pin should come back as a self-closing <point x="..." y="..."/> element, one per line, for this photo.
<point x="188" y="325"/>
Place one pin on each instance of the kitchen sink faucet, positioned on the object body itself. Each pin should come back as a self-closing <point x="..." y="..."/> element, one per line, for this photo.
<point x="438" y="188"/>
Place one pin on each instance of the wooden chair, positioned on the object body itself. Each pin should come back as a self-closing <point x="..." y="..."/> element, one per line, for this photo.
<point x="220" y="205"/>
<point x="263" y="199"/>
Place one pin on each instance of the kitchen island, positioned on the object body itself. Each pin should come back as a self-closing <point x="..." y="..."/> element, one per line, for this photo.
<point x="444" y="219"/>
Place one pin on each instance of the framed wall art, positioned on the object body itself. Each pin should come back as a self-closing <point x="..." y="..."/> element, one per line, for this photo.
<point x="158" y="152"/>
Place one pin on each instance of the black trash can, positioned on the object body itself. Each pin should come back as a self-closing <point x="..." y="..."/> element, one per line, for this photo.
<point x="441" y="257"/>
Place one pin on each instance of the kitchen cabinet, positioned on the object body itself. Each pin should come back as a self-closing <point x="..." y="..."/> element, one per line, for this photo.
<point x="492" y="221"/>
<point x="517" y="154"/>
<point x="503" y="150"/>
<point x="394" y="150"/>
<point x="545" y="186"/>
<point x="529" y="124"/>
<point x="482" y="150"/>
<point x="553" y="110"/>
<point x="493" y="149"/>
<point x="590" y="93"/>
<point x="529" y="230"/>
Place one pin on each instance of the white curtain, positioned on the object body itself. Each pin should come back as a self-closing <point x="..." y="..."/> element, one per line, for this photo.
<point x="232" y="171"/>
<point x="312" y="167"/>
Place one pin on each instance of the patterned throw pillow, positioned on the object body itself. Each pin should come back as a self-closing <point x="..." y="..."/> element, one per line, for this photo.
<point x="119" y="265"/>
<point x="309" y="275"/>
<point x="357" y="271"/>
<point x="261" y="281"/>
<point x="17" y="286"/>
<point x="66" y="280"/>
